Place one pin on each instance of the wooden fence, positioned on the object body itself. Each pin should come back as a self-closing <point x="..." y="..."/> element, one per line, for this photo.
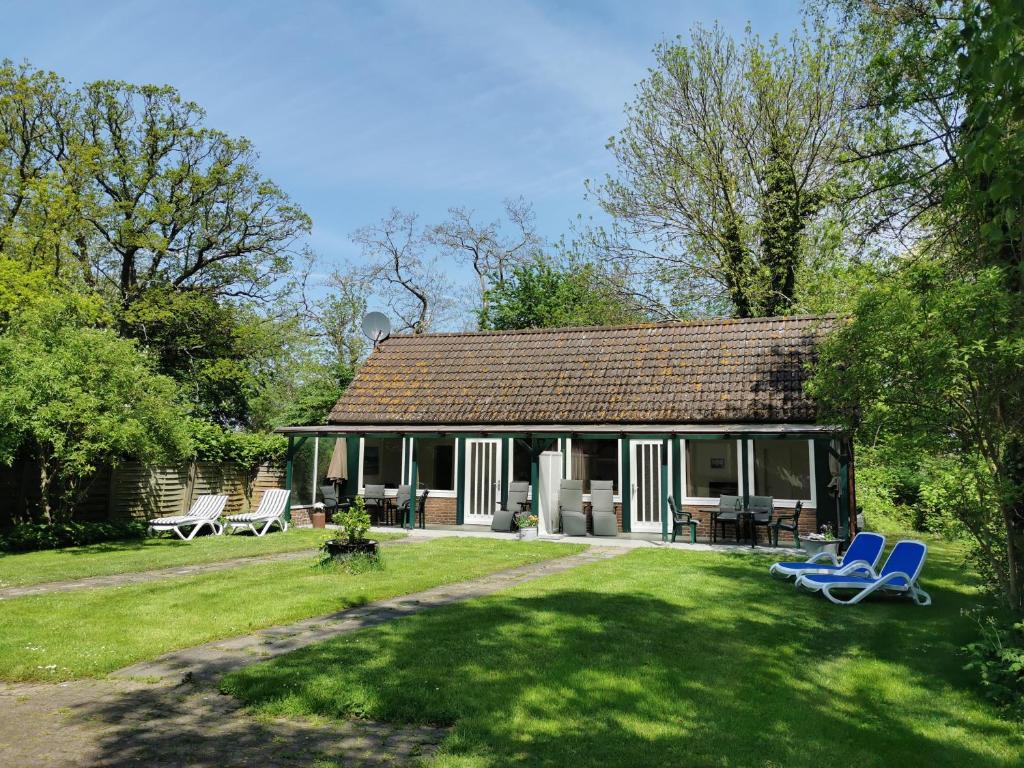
<point x="133" y="490"/>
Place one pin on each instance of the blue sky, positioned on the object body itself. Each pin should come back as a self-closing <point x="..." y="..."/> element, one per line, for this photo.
<point x="358" y="106"/>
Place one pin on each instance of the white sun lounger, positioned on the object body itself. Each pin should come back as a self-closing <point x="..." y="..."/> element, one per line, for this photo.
<point x="205" y="512"/>
<point x="271" y="510"/>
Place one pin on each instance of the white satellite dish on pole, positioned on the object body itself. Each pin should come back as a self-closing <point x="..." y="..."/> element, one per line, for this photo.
<point x="376" y="327"/>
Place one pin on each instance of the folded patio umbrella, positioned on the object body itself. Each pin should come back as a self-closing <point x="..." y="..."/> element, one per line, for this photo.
<point x="337" y="470"/>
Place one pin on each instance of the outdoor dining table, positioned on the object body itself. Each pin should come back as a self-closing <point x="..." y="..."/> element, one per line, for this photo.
<point x="741" y="515"/>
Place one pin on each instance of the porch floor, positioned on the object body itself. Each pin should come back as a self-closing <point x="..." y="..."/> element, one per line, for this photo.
<point x="626" y="540"/>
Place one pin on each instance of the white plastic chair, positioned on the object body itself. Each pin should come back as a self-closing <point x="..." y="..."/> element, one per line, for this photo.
<point x="204" y="512"/>
<point x="271" y="510"/>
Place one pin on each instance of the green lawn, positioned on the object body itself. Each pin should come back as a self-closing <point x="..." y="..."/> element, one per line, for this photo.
<point x="664" y="658"/>
<point x="91" y="632"/>
<point x="150" y="554"/>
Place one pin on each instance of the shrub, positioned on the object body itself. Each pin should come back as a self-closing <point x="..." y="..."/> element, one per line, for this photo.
<point x="30" y="537"/>
<point x="998" y="658"/>
<point x="354" y="521"/>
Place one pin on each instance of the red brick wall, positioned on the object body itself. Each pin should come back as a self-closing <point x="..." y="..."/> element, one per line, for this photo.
<point x="808" y="516"/>
<point x="440" y="511"/>
<point x="300" y="517"/>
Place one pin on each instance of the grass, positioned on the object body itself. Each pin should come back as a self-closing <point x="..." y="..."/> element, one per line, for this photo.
<point x="664" y="658"/>
<point x="93" y="631"/>
<point x="151" y="554"/>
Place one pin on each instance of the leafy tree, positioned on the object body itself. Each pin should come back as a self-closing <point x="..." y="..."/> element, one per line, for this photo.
<point x="73" y="397"/>
<point x="729" y="159"/>
<point x="543" y="294"/>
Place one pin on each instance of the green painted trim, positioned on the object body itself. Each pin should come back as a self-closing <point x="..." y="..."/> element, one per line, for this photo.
<point x="413" y="486"/>
<point x="288" y="471"/>
<point x="664" y="513"/>
<point x="745" y="464"/>
<point x="535" y="452"/>
<point x="627" y="497"/>
<point x="826" y="509"/>
<point x="460" y="479"/>
<point x="677" y="477"/>
<point x="351" y="485"/>
<point x="844" y="489"/>
<point x="506" y="455"/>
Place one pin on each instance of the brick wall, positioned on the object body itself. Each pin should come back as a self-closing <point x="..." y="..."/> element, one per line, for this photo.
<point x="440" y="511"/>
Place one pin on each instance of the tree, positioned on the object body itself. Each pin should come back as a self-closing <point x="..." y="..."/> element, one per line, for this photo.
<point x="73" y="397"/>
<point x="397" y="264"/>
<point x="488" y="248"/>
<point x="542" y="294"/>
<point x="729" y="158"/>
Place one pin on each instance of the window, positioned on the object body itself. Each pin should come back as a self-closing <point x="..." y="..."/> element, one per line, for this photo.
<point x="712" y="468"/>
<point x="521" y="461"/>
<point x="435" y="464"/>
<point x="382" y="461"/>
<point x="595" y="460"/>
<point x="782" y="468"/>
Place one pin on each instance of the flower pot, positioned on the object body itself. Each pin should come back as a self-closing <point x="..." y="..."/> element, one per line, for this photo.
<point x="318" y="519"/>
<point x="528" y="533"/>
<point x="815" y="546"/>
<point x="342" y="547"/>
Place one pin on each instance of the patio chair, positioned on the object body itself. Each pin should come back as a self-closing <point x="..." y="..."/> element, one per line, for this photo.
<point x="205" y="511"/>
<point x="376" y="504"/>
<point x="602" y="508"/>
<point x="865" y="548"/>
<point x="570" y="508"/>
<point x="762" y="508"/>
<point x="329" y="493"/>
<point x="680" y="518"/>
<point x="898" y="576"/>
<point x="505" y="519"/>
<point x="789" y="523"/>
<point x="271" y="510"/>
<point x="401" y="508"/>
<point x="729" y="508"/>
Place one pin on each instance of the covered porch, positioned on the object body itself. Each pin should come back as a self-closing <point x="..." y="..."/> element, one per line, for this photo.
<point x="466" y="470"/>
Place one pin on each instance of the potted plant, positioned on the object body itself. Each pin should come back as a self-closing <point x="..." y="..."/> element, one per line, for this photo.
<point x="823" y="541"/>
<point x="527" y="525"/>
<point x="318" y="517"/>
<point x="354" y="522"/>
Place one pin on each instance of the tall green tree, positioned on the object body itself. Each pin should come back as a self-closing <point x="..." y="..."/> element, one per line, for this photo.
<point x="543" y="294"/>
<point x="729" y="160"/>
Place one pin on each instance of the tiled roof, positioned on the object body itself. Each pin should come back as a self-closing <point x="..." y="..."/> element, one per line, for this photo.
<point x="714" y="371"/>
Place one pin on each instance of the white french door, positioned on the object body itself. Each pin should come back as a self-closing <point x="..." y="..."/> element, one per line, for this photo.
<point x="483" y="481"/>
<point x="645" y="485"/>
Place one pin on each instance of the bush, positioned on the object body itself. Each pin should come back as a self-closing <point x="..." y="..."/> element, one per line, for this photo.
<point x="30" y="537"/>
<point x="354" y="521"/>
<point x="998" y="658"/>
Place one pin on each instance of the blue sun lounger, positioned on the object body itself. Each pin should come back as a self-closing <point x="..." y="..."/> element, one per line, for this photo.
<point x="898" y="576"/>
<point x="865" y="548"/>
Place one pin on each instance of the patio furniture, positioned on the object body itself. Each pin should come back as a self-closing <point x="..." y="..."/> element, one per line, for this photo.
<point x="205" y="511"/>
<point x="602" y="508"/>
<point x="570" y="508"/>
<point x="271" y="510"/>
<point x="680" y="518"/>
<point x="329" y="493"/>
<point x="727" y="513"/>
<point x="866" y="548"/>
<point x="505" y="519"/>
<point x="789" y="523"/>
<point x="400" y="509"/>
<point x="376" y="504"/>
<point x="760" y="509"/>
<point x="898" y="576"/>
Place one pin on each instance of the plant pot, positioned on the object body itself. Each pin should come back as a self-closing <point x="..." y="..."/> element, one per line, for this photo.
<point x="528" y="533"/>
<point x="812" y="546"/>
<point x="342" y="547"/>
<point x="318" y="519"/>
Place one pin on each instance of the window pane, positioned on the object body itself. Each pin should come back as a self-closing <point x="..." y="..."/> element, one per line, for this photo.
<point x="435" y="464"/>
<point x="711" y="468"/>
<point x="382" y="461"/>
<point x="782" y="468"/>
<point x="302" y="473"/>
<point x="595" y="460"/>
<point x="520" y="461"/>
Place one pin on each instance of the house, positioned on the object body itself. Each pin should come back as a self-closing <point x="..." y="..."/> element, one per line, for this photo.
<point x="689" y="409"/>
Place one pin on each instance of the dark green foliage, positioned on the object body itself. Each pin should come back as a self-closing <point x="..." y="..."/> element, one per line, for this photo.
<point x="543" y="294"/>
<point x="31" y="537"/>
<point x="998" y="659"/>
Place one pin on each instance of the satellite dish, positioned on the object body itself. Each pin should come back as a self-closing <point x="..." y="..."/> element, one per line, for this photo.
<point x="376" y="327"/>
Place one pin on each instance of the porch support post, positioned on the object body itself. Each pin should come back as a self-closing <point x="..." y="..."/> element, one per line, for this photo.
<point x="413" y="486"/>
<point x="745" y="463"/>
<point x="288" y="469"/>
<point x="535" y="477"/>
<point x="843" y="523"/>
<point x="666" y="444"/>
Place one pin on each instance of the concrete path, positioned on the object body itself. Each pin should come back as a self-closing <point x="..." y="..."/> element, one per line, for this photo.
<point x="166" y="713"/>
